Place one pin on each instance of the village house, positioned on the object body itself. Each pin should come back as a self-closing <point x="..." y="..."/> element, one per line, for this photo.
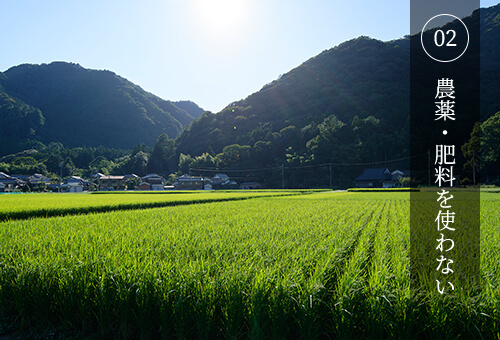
<point x="375" y="178"/>
<point x="398" y="174"/>
<point x="36" y="179"/>
<point x="380" y="178"/>
<point x="144" y="186"/>
<point x="112" y="183"/>
<point x="76" y="184"/>
<point x="130" y="176"/>
<point x="97" y="175"/>
<point x="32" y="180"/>
<point x="8" y="183"/>
<point x="154" y="181"/>
<point x="187" y="182"/>
<point x="218" y="179"/>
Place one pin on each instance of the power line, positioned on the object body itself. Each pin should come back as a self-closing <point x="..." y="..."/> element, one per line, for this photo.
<point x="236" y="170"/>
<point x="215" y="169"/>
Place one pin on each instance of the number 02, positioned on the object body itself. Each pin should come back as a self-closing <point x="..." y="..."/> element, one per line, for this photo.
<point x="442" y="39"/>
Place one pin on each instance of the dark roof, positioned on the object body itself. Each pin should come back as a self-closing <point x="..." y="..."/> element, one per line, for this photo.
<point x="40" y="176"/>
<point x="406" y="173"/>
<point x="374" y="175"/>
<point x="11" y="181"/>
<point x="152" y="176"/>
<point x="22" y="177"/>
<point x="190" y="178"/>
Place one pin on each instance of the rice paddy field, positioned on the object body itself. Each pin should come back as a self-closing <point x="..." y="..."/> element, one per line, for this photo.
<point x="235" y="265"/>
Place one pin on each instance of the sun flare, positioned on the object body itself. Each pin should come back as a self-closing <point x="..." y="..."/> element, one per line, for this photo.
<point x="221" y="20"/>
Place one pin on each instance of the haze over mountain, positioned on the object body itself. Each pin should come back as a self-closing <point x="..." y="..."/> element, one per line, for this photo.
<point x="64" y="102"/>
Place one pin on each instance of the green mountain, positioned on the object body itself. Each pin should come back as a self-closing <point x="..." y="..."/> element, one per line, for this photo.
<point x="191" y="108"/>
<point x="362" y="77"/>
<point x="349" y="104"/>
<point x="64" y="102"/>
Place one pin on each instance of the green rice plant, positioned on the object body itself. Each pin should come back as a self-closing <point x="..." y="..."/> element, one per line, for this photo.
<point x="56" y="204"/>
<point x="325" y="265"/>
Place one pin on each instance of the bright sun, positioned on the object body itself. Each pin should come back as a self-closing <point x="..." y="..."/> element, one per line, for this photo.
<point x="221" y="20"/>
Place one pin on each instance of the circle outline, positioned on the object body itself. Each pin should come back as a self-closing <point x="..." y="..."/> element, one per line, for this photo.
<point x="422" y="38"/>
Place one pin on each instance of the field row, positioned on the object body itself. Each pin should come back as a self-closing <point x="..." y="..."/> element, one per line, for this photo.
<point x="22" y="206"/>
<point x="311" y="266"/>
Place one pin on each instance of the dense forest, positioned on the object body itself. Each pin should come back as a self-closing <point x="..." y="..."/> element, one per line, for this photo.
<point x="318" y="125"/>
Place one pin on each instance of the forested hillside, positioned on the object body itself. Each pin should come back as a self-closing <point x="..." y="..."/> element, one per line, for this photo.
<point x="63" y="102"/>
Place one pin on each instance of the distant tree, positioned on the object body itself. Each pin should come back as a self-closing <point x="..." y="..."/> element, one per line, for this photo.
<point x="185" y="162"/>
<point x="139" y="163"/>
<point x="472" y="151"/>
<point x="25" y="161"/>
<point x="55" y="146"/>
<point x="68" y="167"/>
<point x="490" y="141"/>
<point x="203" y="161"/>
<point x="140" y="147"/>
<point x="233" y="154"/>
<point x="171" y="179"/>
<point x="41" y="187"/>
<point x="404" y="182"/>
<point x="53" y="162"/>
<point x="211" y="151"/>
<point x="101" y="165"/>
<point x="133" y="183"/>
<point x="162" y="154"/>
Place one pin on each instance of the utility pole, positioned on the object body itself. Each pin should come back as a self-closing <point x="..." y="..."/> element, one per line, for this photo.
<point x="474" y="166"/>
<point x="60" y="165"/>
<point x="330" y="164"/>
<point x="283" y="176"/>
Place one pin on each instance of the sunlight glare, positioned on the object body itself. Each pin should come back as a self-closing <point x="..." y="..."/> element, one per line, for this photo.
<point x="221" y="20"/>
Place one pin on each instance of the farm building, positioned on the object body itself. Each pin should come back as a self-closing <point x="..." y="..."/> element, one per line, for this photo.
<point x="155" y="182"/>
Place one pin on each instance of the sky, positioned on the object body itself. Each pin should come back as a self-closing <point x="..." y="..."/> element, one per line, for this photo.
<point x="212" y="52"/>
